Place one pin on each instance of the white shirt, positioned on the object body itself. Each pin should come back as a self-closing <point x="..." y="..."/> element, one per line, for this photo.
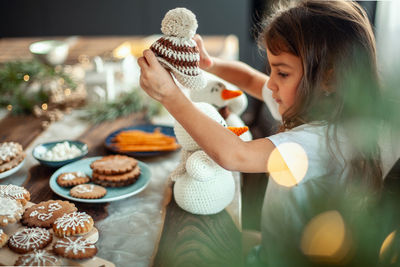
<point x="287" y="209"/>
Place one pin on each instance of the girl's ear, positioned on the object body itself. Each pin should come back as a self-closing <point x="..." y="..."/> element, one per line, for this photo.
<point x="327" y="84"/>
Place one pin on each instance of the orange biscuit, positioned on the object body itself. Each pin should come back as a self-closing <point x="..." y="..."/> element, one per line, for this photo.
<point x="46" y="212"/>
<point x="29" y="239"/>
<point x="38" y="258"/>
<point x="68" y="179"/>
<point x="115" y="184"/>
<point x="9" y="151"/>
<point x="88" y="191"/>
<point x="135" y="172"/>
<point x="114" y="164"/>
<point x="74" y="223"/>
<point x="18" y="193"/>
<point x="10" y="211"/>
<point x="75" y="248"/>
<point x="5" y="166"/>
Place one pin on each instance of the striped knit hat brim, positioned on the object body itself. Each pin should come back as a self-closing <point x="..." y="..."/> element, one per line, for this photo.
<point x="183" y="58"/>
<point x="191" y="82"/>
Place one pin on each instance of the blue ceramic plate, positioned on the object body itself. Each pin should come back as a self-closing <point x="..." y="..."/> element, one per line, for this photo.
<point x="113" y="193"/>
<point x="42" y="148"/>
<point x="167" y="130"/>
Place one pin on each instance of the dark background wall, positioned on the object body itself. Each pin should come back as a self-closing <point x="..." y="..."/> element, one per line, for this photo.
<point x="126" y="17"/>
<point x="19" y="18"/>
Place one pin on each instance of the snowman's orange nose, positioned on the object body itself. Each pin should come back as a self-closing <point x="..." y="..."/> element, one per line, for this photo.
<point x="238" y="130"/>
<point x="229" y="94"/>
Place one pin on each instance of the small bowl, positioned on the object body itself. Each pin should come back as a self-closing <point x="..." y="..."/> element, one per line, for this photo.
<point x="42" y="148"/>
<point x="52" y="52"/>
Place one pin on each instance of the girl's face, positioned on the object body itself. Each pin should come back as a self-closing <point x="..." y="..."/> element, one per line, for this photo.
<point x="286" y="74"/>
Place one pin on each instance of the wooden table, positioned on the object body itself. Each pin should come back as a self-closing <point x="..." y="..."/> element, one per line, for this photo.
<point x="184" y="239"/>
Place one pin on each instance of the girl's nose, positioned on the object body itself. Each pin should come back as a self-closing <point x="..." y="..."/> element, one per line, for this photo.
<point x="272" y="85"/>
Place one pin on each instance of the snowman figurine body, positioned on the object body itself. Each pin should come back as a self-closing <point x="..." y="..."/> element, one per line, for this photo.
<point x="201" y="185"/>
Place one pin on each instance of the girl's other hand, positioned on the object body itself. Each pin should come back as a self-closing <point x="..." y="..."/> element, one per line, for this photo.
<point x="206" y="61"/>
<point x="154" y="78"/>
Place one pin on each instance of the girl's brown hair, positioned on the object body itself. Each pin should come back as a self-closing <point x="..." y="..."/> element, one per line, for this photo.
<point x="336" y="44"/>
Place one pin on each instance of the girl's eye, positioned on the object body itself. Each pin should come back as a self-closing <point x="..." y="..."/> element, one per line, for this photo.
<point x="282" y="74"/>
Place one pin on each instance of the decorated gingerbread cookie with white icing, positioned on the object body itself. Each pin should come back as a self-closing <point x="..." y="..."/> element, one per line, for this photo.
<point x="68" y="179"/>
<point x="45" y="213"/>
<point x="29" y="239"/>
<point x="9" y="151"/>
<point x="74" y="223"/>
<point x="3" y="238"/>
<point x="75" y="248"/>
<point x="15" y="192"/>
<point x="38" y="258"/>
<point x="88" y="191"/>
<point x="10" y="211"/>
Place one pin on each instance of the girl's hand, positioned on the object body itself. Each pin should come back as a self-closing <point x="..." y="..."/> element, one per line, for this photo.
<point x="206" y="61"/>
<point x="154" y="78"/>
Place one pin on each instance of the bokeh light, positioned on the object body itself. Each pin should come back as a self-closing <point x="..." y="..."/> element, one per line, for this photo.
<point x="123" y="50"/>
<point x="67" y="92"/>
<point x="44" y="106"/>
<point x="326" y="239"/>
<point x="386" y="247"/>
<point x="26" y="77"/>
<point x="288" y="171"/>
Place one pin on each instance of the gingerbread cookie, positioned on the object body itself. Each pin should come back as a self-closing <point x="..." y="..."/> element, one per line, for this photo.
<point x="88" y="191"/>
<point x="114" y="184"/>
<point x="3" y="238"/>
<point x="15" y="192"/>
<point x="38" y="258"/>
<point x="114" y="164"/>
<point x="46" y="212"/>
<point x="12" y="163"/>
<point x="117" y="177"/>
<point x="75" y="248"/>
<point x="9" y="151"/>
<point x="68" y="179"/>
<point x="10" y="211"/>
<point x="29" y="239"/>
<point x="74" y="223"/>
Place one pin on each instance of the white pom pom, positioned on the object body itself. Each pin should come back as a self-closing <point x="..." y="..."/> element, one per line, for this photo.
<point x="179" y="22"/>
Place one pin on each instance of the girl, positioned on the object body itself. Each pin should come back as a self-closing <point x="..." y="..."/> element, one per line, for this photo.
<point x="324" y="81"/>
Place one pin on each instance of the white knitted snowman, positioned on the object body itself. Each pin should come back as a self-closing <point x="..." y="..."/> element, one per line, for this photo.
<point x="217" y="94"/>
<point x="201" y="185"/>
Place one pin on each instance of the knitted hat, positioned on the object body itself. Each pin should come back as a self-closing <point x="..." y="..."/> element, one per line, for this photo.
<point x="176" y="49"/>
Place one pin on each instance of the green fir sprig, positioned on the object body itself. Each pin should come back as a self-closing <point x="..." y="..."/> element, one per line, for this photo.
<point x="125" y="104"/>
<point x="24" y="84"/>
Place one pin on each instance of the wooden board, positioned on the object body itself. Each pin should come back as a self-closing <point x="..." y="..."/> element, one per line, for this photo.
<point x="8" y="257"/>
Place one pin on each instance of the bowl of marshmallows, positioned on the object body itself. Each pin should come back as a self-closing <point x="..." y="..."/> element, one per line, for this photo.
<point x="59" y="153"/>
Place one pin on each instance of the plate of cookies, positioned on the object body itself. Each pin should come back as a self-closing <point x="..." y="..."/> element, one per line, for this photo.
<point x="146" y="140"/>
<point x="50" y="233"/>
<point x="101" y="179"/>
<point x="12" y="157"/>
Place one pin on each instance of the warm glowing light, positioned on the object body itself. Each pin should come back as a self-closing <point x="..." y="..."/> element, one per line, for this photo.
<point x="26" y="77"/>
<point x="61" y="81"/>
<point x="123" y="50"/>
<point x="9" y="107"/>
<point x="325" y="238"/>
<point x="44" y="106"/>
<point x="288" y="171"/>
<point x="67" y="91"/>
<point x="83" y="59"/>
<point x="387" y="243"/>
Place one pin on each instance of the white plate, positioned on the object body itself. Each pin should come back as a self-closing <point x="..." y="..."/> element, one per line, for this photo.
<point x="113" y="193"/>
<point x="12" y="171"/>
